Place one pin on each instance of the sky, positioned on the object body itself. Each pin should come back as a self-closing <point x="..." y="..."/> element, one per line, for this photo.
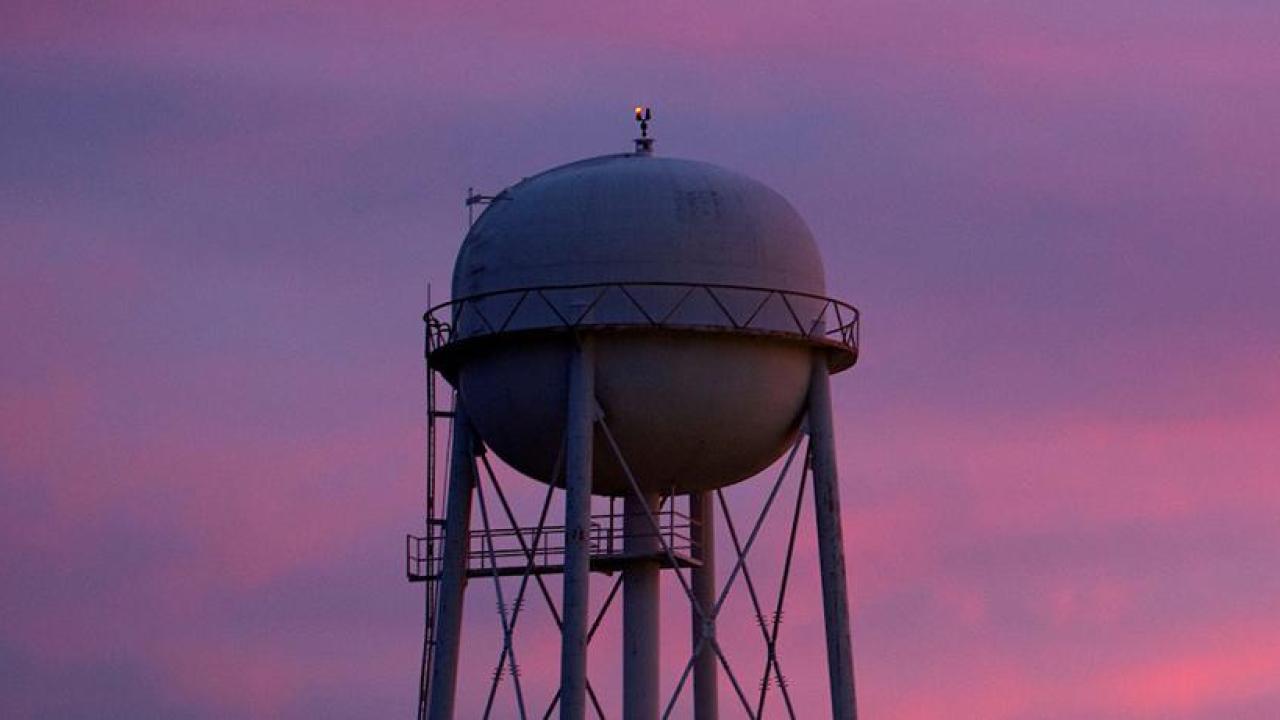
<point x="1059" y="452"/>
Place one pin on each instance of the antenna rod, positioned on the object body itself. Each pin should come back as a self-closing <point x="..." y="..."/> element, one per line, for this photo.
<point x="644" y="143"/>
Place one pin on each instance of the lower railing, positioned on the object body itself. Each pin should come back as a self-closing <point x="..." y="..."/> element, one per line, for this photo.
<point x="512" y="551"/>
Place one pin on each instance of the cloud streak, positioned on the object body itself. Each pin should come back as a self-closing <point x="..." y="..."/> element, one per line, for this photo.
<point x="219" y="224"/>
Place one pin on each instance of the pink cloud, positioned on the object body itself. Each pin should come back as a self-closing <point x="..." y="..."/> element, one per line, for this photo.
<point x="1215" y="667"/>
<point x="1058" y="452"/>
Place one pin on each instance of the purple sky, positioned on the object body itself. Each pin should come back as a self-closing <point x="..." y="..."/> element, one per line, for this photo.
<point x="1060" y="448"/>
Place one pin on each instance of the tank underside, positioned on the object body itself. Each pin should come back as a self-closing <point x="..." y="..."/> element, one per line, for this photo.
<point x="690" y="411"/>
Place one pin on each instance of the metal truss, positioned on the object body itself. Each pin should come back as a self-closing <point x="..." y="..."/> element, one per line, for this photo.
<point x="770" y="634"/>
<point x="528" y="553"/>
<point x="530" y="540"/>
<point x="708" y="616"/>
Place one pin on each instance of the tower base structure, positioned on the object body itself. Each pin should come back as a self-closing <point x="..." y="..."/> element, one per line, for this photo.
<point x="650" y="537"/>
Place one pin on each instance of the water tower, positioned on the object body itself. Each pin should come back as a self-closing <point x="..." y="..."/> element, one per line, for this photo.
<point x="641" y="331"/>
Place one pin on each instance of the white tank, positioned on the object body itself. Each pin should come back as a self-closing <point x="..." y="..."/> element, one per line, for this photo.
<point x="701" y="288"/>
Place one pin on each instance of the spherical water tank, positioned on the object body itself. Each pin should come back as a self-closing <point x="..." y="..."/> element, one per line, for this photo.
<point x="700" y="288"/>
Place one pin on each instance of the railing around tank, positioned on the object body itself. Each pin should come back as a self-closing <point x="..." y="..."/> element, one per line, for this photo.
<point x="660" y="305"/>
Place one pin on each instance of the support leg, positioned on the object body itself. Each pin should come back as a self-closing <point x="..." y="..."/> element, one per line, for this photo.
<point x="703" y="579"/>
<point x="641" y="610"/>
<point x="577" y="554"/>
<point x="826" y="493"/>
<point x="453" y="575"/>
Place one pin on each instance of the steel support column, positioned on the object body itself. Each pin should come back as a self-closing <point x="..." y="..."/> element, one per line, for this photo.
<point x="641" y="609"/>
<point x="826" y="495"/>
<point x="702" y="514"/>
<point x="453" y="568"/>
<point x="579" y="433"/>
